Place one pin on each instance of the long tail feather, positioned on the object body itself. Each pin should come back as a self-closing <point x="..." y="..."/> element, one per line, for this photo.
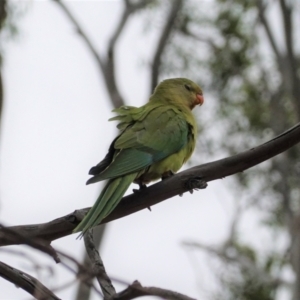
<point x="106" y="202"/>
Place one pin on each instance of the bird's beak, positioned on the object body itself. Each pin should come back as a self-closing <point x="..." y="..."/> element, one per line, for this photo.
<point x="200" y="99"/>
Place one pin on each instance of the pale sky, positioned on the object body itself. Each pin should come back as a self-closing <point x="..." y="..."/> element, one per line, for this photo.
<point x="55" y="128"/>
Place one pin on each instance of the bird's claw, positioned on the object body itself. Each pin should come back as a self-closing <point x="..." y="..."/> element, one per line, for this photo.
<point x="142" y="187"/>
<point x="167" y="175"/>
<point x="195" y="183"/>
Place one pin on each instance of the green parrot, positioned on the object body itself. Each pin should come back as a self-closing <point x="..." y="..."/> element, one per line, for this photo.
<point x="155" y="140"/>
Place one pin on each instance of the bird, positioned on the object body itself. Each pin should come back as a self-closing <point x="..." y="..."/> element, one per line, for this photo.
<point x="154" y="141"/>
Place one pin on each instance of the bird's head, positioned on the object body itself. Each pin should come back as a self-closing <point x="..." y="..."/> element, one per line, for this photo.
<point x="180" y="91"/>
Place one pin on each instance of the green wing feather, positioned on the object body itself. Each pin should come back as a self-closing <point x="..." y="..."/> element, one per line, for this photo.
<point x="145" y="142"/>
<point x="106" y="202"/>
<point x="150" y="134"/>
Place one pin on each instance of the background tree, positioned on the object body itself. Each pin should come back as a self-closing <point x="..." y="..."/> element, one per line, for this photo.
<point x="252" y="69"/>
<point x="235" y="50"/>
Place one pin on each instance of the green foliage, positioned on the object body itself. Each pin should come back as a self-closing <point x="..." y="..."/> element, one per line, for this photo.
<point x="248" y="277"/>
<point x="225" y="45"/>
<point x="236" y="64"/>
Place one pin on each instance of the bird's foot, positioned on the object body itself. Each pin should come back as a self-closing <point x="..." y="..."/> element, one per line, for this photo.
<point x="142" y="187"/>
<point x="195" y="183"/>
<point x="167" y="175"/>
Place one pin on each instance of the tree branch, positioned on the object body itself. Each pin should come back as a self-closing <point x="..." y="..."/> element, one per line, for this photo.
<point x="3" y="17"/>
<point x="107" y="64"/>
<point x="39" y="244"/>
<point x="175" y="185"/>
<point x="26" y="282"/>
<point x="226" y="255"/>
<point x="107" y="69"/>
<point x="136" y="290"/>
<point x="84" y="273"/>
<point x="286" y="10"/>
<point x="98" y="266"/>
<point x="84" y="287"/>
<point x="261" y="13"/>
<point x="104" y="64"/>
<point x="81" y="32"/>
<point x="202" y="39"/>
<point x="163" y="40"/>
<point x="288" y="29"/>
<point x="287" y="63"/>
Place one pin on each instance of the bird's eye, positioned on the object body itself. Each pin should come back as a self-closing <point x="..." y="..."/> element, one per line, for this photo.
<point x="188" y="87"/>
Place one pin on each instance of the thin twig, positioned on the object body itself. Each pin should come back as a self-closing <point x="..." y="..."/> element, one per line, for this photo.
<point x="261" y="13"/>
<point x="286" y="11"/>
<point x="102" y="63"/>
<point x="4" y="11"/>
<point x="83" y="289"/>
<point x="200" y="38"/>
<point x="81" y="32"/>
<point x="42" y="245"/>
<point x="223" y="252"/>
<point x="26" y="282"/>
<point x="294" y="81"/>
<point x="175" y="185"/>
<point x="136" y="290"/>
<point x="163" y="40"/>
<point x="109" y="64"/>
<point x="106" y="63"/>
<point x="98" y="266"/>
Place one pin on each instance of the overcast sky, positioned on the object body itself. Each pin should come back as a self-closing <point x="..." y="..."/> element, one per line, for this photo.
<point x="55" y="128"/>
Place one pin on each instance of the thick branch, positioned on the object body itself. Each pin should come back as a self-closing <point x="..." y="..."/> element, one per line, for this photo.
<point x="163" y="190"/>
<point x="26" y="282"/>
<point x="39" y="244"/>
<point x="136" y="290"/>
<point x="163" y="40"/>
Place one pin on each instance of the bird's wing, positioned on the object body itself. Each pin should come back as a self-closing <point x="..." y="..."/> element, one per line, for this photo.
<point x="162" y="132"/>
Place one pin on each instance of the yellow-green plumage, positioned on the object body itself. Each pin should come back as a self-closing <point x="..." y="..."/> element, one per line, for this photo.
<point x="155" y="141"/>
